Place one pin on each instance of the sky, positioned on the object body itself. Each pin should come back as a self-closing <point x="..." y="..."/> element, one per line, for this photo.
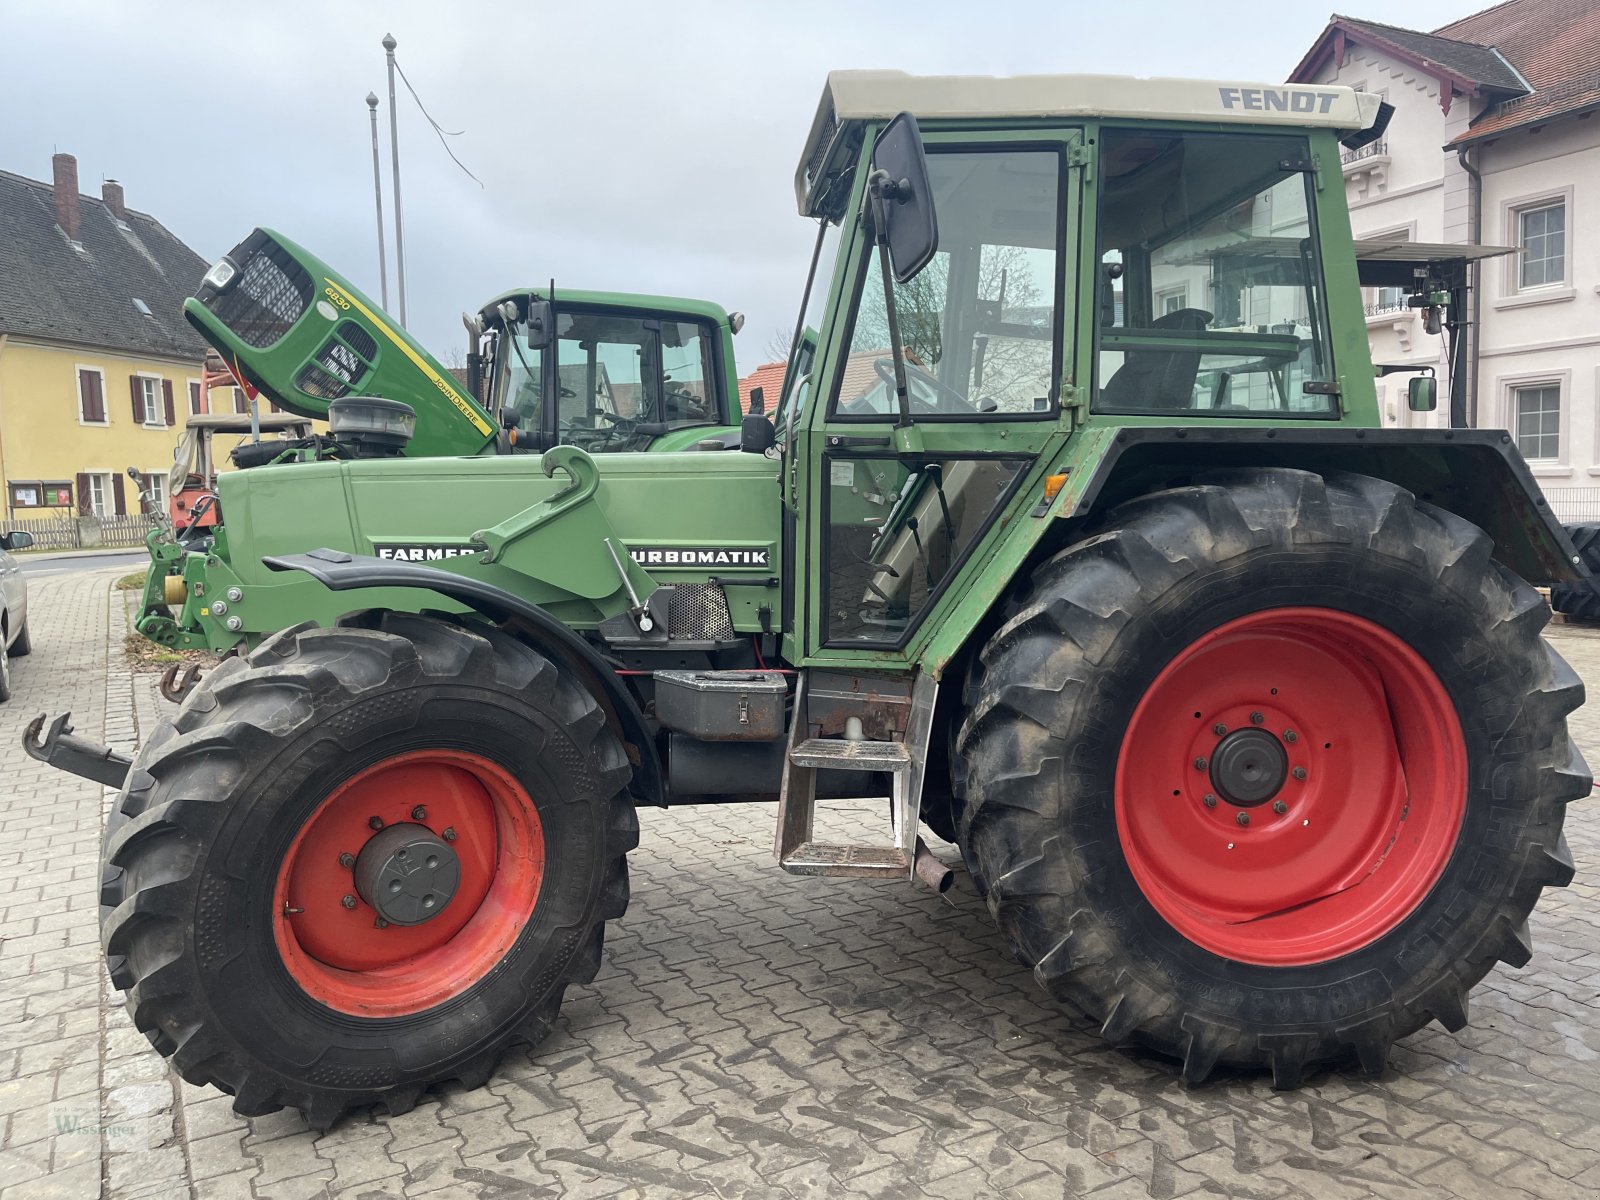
<point x="643" y="147"/>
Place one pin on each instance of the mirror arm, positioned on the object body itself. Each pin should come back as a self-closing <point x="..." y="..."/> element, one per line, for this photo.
<point x="882" y="188"/>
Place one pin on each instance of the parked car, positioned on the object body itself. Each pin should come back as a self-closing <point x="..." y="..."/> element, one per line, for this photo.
<point x="14" y="640"/>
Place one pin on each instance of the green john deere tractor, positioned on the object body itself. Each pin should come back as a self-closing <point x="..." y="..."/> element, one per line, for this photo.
<point x="1080" y="543"/>
<point x="623" y="373"/>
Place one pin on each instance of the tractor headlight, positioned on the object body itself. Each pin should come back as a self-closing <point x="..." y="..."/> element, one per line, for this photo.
<point x="221" y="274"/>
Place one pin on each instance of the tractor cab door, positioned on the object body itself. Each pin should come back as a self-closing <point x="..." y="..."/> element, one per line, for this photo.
<point x="900" y="504"/>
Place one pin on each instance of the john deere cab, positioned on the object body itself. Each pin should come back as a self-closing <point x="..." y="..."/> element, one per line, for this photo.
<point x="1082" y="547"/>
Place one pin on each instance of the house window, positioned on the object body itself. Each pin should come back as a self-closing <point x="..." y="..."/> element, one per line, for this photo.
<point x="196" y="404"/>
<point x="1171" y="301"/>
<point x="1542" y="238"/>
<point x="1536" y="416"/>
<point x="154" y="487"/>
<point x="91" y="396"/>
<point x="149" y="401"/>
<point x="99" y="495"/>
<point x="241" y="402"/>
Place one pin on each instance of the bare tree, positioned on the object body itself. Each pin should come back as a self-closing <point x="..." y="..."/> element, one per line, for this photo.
<point x="776" y="347"/>
<point x="1015" y="367"/>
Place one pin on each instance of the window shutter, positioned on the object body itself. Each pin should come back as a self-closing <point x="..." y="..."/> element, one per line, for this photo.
<point x="82" y="484"/>
<point x="241" y="402"/>
<point x="136" y="389"/>
<point x="194" y="400"/>
<point x="93" y="406"/>
<point x="166" y="401"/>
<point x="117" y="494"/>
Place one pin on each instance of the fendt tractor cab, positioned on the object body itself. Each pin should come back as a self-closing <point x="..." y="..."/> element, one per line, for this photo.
<point x="1080" y="544"/>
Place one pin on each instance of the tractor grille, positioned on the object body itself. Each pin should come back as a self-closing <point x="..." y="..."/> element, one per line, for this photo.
<point x="359" y="340"/>
<point x="698" y="612"/>
<point x="338" y="359"/>
<point x="272" y="293"/>
<point x="314" y="381"/>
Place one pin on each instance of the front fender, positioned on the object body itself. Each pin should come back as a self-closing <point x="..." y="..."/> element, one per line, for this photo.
<point x="339" y="571"/>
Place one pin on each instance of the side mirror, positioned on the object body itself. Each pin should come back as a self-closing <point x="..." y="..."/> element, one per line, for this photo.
<point x="541" y="325"/>
<point x="19" y="540"/>
<point x="902" y="201"/>
<point x="1422" y="394"/>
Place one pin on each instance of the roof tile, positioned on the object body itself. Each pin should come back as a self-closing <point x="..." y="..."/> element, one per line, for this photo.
<point x="48" y="289"/>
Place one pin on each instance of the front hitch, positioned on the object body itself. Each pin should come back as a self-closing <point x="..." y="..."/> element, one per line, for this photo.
<point x="178" y="680"/>
<point x="60" y="748"/>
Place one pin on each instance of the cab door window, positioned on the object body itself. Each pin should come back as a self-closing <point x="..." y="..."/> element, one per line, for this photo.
<point x="977" y="325"/>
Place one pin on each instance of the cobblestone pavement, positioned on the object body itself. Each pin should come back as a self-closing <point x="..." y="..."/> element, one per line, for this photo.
<point x="753" y="1034"/>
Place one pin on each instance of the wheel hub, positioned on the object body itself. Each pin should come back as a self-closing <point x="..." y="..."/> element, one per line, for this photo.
<point x="408" y="873"/>
<point x="1248" y="767"/>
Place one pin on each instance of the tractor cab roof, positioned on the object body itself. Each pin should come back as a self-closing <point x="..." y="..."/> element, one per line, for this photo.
<point x="852" y="98"/>
<point x="654" y="305"/>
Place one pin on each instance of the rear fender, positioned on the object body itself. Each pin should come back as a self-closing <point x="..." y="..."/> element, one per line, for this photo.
<point x="1475" y="473"/>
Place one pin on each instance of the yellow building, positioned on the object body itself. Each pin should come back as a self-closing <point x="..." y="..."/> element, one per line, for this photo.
<point x="98" y="369"/>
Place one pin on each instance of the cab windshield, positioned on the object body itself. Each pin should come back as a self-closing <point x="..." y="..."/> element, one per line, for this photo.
<point x="620" y="381"/>
<point x="1210" y="289"/>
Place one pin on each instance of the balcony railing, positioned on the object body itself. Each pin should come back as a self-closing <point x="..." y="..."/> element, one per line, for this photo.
<point x="1370" y="150"/>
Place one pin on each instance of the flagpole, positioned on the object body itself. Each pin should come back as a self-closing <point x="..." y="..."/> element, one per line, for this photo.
<point x="377" y="199"/>
<point x="394" y="152"/>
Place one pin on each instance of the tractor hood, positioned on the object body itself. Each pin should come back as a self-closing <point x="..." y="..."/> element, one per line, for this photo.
<point x="701" y="519"/>
<point x="293" y="329"/>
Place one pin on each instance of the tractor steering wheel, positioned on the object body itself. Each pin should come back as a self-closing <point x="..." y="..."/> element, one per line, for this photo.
<point x="884" y="367"/>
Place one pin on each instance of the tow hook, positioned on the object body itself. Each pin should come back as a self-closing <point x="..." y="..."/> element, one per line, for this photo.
<point x="59" y="748"/>
<point x="178" y="680"/>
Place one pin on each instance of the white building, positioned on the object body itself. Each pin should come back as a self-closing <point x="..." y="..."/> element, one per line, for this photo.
<point x="1494" y="140"/>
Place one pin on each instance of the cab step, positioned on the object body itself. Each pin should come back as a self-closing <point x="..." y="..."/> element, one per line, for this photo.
<point x="901" y="759"/>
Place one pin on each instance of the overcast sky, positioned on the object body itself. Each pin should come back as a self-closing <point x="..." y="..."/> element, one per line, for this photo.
<point x="644" y="147"/>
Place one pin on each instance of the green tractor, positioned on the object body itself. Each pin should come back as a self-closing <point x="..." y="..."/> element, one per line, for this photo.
<point x="1079" y="543"/>
<point x="622" y="373"/>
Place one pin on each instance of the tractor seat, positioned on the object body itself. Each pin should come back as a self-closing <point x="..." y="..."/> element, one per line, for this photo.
<point x="1158" y="379"/>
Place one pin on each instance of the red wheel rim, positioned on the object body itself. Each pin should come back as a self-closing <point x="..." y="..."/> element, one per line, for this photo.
<point x="340" y="954"/>
<point x="1373" y="790"/>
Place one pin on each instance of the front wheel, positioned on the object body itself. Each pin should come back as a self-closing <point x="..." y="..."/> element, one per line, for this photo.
<point x="1271" y="771"/>
<point x="363" y="861"/>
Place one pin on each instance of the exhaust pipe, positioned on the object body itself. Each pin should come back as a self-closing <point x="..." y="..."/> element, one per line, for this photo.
<point x="930" y="872"/>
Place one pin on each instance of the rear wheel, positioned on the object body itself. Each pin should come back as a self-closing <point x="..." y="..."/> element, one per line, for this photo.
<point x="1271" y="772"/>
<point x="23" y="646"/>
<point x="5" y="669"/>
<point x="364" y="861"/>
<point x="1582" y="598"/>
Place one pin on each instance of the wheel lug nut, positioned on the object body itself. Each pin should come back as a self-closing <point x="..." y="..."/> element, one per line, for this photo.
<point x="1300" y="773"/>
<point x="1256" y="718"/>
<point x="348" y="901"/>
<point x="450" y="834"/>
<point x="1279" y="807"/>
<point x="1242" y="818"/>
<point x="1200" y="764"/>
<point x="374" y="822"/>
<point x="347" y="859"/>
<point x="419" y="813"/>
<point x="1210" y="800"/>
<point x="1219" y="729"/>
<point x="380" y="923"/>
<point x="1290" y="735"/>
